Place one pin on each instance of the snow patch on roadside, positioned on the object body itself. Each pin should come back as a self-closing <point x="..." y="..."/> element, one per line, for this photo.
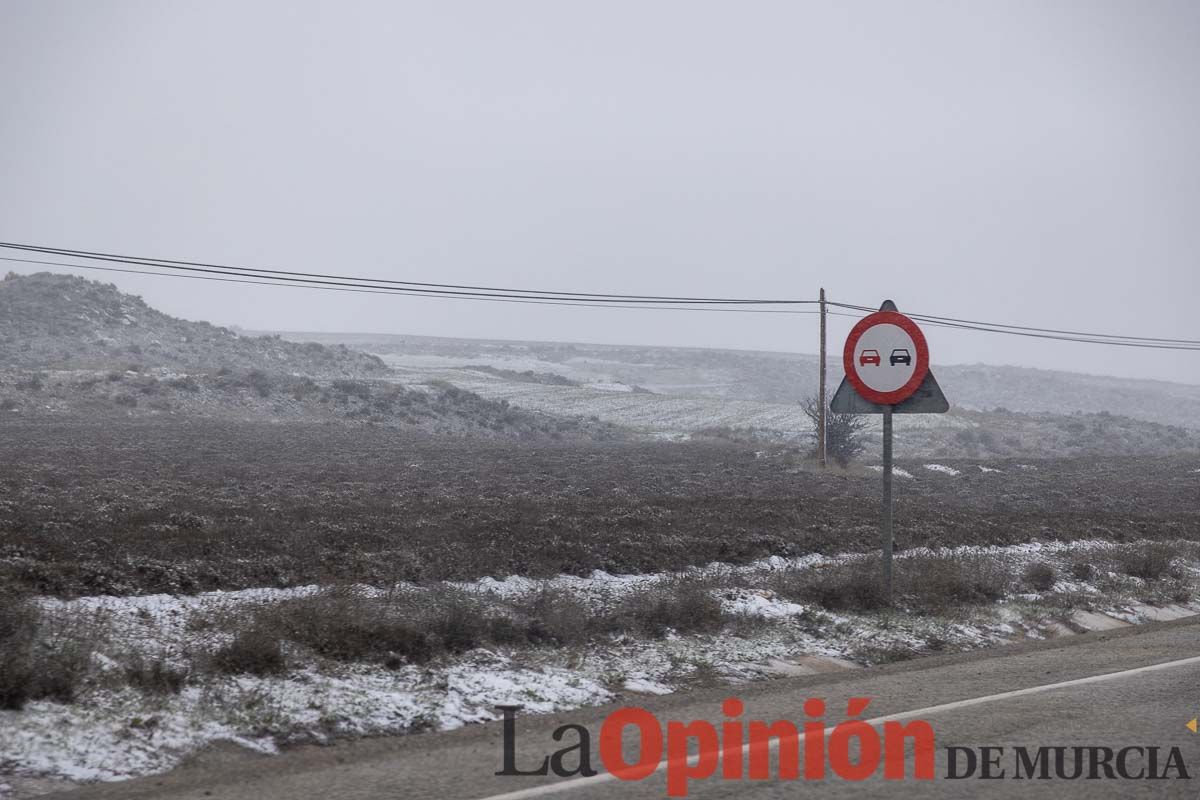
<point x="113" y="734"/>
<point x="942" y="468"/>
<point x="897" y="471"/>
<point x="120" y="734"/>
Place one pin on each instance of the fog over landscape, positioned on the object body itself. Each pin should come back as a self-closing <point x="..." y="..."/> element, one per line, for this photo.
<point x="372" y="372"/>
<point x="1023" y="163"/>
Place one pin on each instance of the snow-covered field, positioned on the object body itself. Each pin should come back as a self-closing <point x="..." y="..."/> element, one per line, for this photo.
<point x="114" y="732"/>
<point x="603" y="396"/>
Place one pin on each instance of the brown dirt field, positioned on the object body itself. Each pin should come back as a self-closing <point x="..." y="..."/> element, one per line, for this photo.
<point x="181" y="507"/>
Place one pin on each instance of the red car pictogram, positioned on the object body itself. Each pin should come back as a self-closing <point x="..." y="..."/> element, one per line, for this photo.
<point x="868" y="357"/>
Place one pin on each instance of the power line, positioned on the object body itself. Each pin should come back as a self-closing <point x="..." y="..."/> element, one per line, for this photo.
<point x="415" y="286"/>
<point x="333" y="282"/>
<point x="1112" y="342"/>
<point x="948" y="320"/>
<point x="532" y="301"/>
<point x="1012" y="330"/>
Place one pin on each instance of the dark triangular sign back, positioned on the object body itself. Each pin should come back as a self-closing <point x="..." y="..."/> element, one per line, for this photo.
<point x="927" y="399"/>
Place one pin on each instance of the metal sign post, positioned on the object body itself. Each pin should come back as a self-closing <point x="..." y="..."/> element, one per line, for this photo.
<point x="888" y="542"/>
<point x="886" y="359"/>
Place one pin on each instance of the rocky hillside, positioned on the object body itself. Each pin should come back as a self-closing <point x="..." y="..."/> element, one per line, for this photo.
<point x="71" y="347"/>
<point x="50" y="321"/>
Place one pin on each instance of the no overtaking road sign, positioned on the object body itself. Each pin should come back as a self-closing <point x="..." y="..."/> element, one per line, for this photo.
<point x="886" y="359"/>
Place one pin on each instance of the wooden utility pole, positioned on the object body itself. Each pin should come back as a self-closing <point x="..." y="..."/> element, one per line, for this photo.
<point x="822" y="398"/>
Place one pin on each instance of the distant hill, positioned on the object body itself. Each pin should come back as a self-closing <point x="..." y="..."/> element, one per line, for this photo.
<point x="74" y="347"/>
<point x="786" y="377"/>
<point x="680" y="393"/>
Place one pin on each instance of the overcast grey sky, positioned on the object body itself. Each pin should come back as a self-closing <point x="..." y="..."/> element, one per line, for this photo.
<point x="1021" y="162"/>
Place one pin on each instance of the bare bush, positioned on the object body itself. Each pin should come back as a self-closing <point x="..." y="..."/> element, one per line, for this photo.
<point x="852" y="586"/>
<point x="18" y="626"/>
<point x="253" y="651"/>
<point x="400" y="627"/>
<point x="346" y="626"/>
<point x="1041" y="576"/>
<point x="931" y="583"/>
<point x="40" y="658"/>
<point x="1149" y="561"/>
<point x="939" y="582"/>
<point x="154" y="675"/>
<point x="260" y="382"/>
<point x="1082" y="570"/>
<point x="555" y="616"/>
<point x="351" y="388"/>
<point x="685" y="604"/>
<point x="845" y="434"/>
<point x="888" y="653"/>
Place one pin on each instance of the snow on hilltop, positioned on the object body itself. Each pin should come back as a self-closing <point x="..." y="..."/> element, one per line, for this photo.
<point x="65" y="322"/>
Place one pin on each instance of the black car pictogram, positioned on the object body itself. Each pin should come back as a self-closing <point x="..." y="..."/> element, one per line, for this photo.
<point x="900" y="356"/>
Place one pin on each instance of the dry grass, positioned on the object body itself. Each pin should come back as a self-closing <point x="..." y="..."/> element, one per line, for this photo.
<point x="412" y="626"/>
<point x="926" y="582"/>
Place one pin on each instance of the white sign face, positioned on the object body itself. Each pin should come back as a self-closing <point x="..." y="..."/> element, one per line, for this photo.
<point x="885" y="357"/>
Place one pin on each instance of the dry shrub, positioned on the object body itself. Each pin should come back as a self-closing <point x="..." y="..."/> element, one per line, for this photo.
<point x="252" y="651"/>
<point x="154" y="675"/>
<point x="938" y="582"/>
<point x="683" y="604"/>
<point x="932" y="583"/>
<point x="1149" y="561"/>
<point x="18" y="626"/>
<point x="395" y="628"/>
<point x="1041" y="576"/>
<point x="41" y="658"/>
<point x="1082" y="570"/>
<point x="889" y="653"/>
<point x="555" y="616"/>
<point x="850" y="586"/>
<point x="414" y="626"/>
<point x="346" y="626"/>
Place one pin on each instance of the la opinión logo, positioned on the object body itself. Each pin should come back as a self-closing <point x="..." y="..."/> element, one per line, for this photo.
<point x="736" y="749"/>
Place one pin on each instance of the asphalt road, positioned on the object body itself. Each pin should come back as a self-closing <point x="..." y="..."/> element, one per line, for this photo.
<point x="1003" y="697"/>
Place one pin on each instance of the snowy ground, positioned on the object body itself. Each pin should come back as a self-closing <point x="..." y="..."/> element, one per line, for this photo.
<point x="115" y="732"/>
<point x="675" y="411"/>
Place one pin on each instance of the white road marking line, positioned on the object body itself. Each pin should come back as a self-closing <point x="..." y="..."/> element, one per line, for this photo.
<point x="603" y="777"/>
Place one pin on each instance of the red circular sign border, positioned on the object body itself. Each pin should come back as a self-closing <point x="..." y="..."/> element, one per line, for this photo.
<point x="922" y="368"/>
